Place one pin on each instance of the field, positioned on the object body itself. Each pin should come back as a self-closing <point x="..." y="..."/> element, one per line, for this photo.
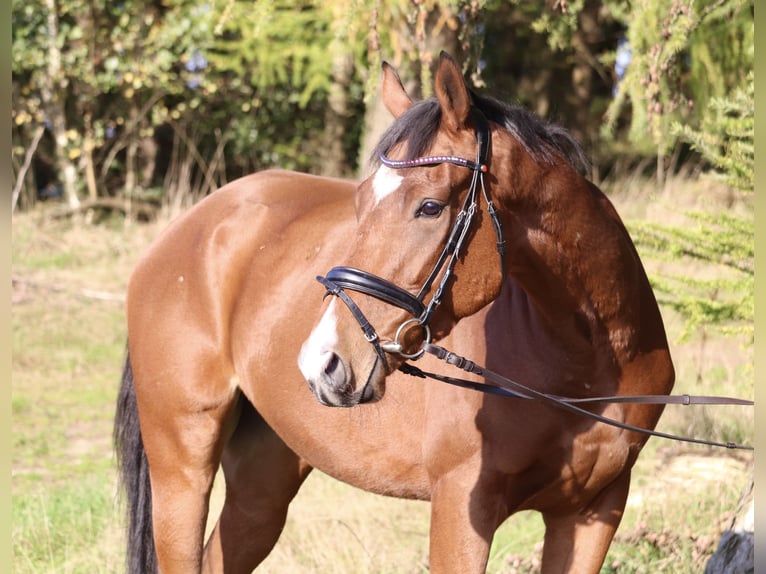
<point x="68" y="343"/>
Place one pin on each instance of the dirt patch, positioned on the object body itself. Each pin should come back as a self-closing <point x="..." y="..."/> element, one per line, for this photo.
<point x="689" y="473"/>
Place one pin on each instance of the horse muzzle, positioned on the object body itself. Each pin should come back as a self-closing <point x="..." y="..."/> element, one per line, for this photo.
<point x="329" y="372"/>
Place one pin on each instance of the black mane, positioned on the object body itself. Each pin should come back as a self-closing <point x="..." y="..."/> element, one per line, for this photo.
<point x="542" y="140"/>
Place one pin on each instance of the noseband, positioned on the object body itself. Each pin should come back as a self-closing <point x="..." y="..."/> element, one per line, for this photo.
<point x="340" y="278"/>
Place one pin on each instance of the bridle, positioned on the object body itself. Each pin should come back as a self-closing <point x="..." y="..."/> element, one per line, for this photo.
<point x="338" y="279"/>
<point x="341" y="278"/>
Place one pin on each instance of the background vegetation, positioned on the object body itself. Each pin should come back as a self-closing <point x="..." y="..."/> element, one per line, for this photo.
<point x="125" y="113"/>
<point x="176" y="96"/>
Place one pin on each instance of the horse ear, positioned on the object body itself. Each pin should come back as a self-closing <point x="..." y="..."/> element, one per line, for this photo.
<point x="452" y="93"/>
<point x="395" y="97"/>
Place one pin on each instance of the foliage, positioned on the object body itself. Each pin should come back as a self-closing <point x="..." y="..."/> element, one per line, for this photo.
<point x="683" y="54"/>
<point x="120" y="74"/>
<point x="558" y="26"/>
<point x="721" y="298"/>
<point x="249" y="76"/>
<point x="268" y="44"/>
<point x="722" y="239"/>
<point x="680" y="56"/>
<point x="726" y="136"/>
<point x="180" y="97"/>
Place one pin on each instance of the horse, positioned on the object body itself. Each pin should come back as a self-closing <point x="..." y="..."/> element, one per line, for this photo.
<point x="475" y="228"/>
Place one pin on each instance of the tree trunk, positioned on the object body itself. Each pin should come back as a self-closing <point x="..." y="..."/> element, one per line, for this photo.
<point x="333" y="152"/>
<point x="52" y="92"/>
<point x="131" y="152"/>
<point x="433" y="31"/>
<point x="88" y="144"/>
<point x="148" y="153"/>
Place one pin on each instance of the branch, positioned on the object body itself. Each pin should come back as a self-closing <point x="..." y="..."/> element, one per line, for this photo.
<point x="25" y="167"/>
<point x="208" y="171"/>
<point x="127" y="133"/>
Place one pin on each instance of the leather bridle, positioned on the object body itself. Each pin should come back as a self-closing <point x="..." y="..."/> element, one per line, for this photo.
<point x="506" y="387"/>
<point x="341" y="278"/>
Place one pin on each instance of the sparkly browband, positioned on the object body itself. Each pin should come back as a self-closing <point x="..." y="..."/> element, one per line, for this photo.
<point x="432" y="160"/>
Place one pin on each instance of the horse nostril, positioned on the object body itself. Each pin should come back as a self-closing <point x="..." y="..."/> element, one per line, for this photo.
<point x="332" y="364"/>
<point x="333" y="370"/>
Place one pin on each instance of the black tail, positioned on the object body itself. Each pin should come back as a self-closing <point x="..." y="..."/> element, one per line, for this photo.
<point x="134" y="478"/>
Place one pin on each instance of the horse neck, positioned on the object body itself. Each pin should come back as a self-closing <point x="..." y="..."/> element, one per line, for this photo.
<point x="569" y="251"/>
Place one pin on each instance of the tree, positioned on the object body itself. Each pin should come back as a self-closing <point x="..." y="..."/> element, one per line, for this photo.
<point x="698" y="89"/>
<point x="91" y="72"/>
<point x="725" y="241"/>
<point x="38" y="29"/>
<point x="684" y="54"/>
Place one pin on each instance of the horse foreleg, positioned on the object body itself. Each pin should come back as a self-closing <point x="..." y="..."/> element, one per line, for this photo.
<point x="183" y="446"/>
<point x="262" y="477"/>
<point x="578" y="542"/>
<point x="464" y="518"/>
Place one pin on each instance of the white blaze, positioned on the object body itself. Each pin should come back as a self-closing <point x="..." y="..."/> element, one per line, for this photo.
<point x="323" y="338"/>
<point x="385" y="182"/>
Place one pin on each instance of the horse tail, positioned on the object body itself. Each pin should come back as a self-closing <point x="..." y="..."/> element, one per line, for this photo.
<point x="133" y="468"/>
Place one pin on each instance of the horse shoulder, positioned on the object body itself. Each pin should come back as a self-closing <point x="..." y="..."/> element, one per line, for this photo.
<point x="195" y="269"/>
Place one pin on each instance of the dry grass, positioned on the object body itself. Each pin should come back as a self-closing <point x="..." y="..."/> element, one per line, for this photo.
<point x="67" y="354"/>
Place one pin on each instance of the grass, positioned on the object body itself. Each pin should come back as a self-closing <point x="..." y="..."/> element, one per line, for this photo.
<point x="67" y="358"/>
<point x="67" y="351"/>
<point x="67" y="527"/>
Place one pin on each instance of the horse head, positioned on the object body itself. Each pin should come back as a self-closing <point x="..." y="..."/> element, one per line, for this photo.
<point x="425" y="252"/>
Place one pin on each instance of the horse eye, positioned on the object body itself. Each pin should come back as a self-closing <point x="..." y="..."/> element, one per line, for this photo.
<point x="429" y="208"/>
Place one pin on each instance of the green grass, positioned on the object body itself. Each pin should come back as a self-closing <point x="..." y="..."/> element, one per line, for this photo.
<point x="67" y="353"/>
<point x="517" y="543"/>
<point x="67" y="527"/>
<point x="67" y="360"/>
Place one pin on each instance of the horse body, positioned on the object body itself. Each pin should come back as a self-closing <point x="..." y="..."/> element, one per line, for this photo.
<point x="216" y="378"/>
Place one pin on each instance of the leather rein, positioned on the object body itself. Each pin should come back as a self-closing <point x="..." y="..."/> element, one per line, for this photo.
<point x="340" y="278"/>
<point x="505" y="387"/>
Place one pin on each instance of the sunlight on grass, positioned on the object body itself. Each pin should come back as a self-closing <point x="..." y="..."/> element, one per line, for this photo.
<point x="517" y="543"/>
<point x="68" y="527"/>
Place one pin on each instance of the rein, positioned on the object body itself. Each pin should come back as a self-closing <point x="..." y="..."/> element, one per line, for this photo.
<point x="505" y="387"/>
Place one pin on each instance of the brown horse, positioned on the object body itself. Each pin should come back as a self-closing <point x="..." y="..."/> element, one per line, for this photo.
<point x="225" y="330"/>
